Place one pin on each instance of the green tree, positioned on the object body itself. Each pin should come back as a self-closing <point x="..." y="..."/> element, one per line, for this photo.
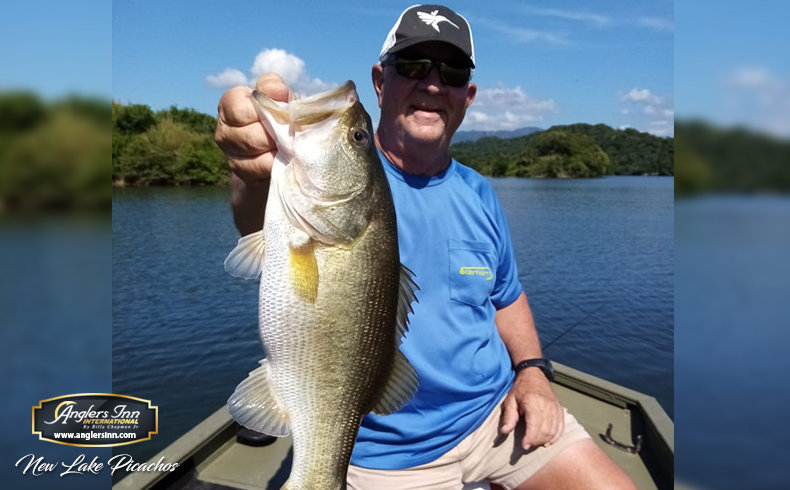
<point x="561" y="154"/>
<point x="132" y="119"/>
<point x="60" y="164"/>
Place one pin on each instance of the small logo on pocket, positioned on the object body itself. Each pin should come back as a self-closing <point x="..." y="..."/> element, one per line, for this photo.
<point x="477" y="271"/>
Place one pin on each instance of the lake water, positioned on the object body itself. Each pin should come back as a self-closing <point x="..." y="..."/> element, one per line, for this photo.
<point x="595" y="258"/>
<point x="732" y="291"/>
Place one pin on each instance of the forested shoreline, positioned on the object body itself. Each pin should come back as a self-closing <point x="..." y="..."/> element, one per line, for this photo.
<point x="54" y="154"/>
<point x="167" y="147"/>
<point x="577" y="150"/>
<point x="176" y="147"/>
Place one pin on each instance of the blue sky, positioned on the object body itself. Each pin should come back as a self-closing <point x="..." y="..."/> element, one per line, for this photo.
<point x="56" y="47"/>
<point x="539" y="63"/>
<point x="731" y="63"/>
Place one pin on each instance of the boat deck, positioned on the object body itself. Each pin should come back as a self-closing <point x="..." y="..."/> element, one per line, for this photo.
<point x="213" y="459"/>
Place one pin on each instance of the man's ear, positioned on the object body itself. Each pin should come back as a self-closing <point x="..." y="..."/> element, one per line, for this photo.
<point x="377" y="75"/>
<point x="471" y="91"/>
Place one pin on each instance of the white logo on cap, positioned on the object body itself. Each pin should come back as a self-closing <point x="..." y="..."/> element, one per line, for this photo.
<point x="433" y="19"/>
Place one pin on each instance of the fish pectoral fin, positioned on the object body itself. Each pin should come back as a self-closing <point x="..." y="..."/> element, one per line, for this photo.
<point x="304" y="270"/>
<point x="400" y="388"/>
<point x="407" y="290"/>
<point x="254" y="406"/>
<point x="246" y="259"/>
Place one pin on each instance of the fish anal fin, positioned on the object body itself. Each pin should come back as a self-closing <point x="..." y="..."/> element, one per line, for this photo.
<point x="254" y="406"/>
<point x="304" y="270"/>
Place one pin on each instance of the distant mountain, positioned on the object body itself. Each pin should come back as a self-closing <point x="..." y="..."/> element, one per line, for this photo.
<point x="462" y="136"/>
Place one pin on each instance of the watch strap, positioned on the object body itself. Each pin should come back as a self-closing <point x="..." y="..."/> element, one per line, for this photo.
<point x="541" y="363"/>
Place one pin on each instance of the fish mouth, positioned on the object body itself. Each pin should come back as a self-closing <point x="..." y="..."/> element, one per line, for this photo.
<point x="307" y="111"/>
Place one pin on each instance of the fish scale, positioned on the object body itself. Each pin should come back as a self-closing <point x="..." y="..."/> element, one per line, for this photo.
<point x="334" y="298"/>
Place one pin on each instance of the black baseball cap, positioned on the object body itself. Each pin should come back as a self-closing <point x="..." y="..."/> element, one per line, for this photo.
<point x="421" y="23"/>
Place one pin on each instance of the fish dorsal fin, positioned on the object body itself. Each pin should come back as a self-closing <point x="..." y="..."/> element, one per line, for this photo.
<point x="402" y="383"/>
<point x="400" y="388"/>
<point x="246" y="258"/>
<point x="407" y="294"/>
<point x="254" y="406"/>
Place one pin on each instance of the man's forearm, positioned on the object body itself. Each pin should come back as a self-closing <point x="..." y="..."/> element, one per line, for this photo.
<point x="517" y="329"/>
<point x="248" y="204"/>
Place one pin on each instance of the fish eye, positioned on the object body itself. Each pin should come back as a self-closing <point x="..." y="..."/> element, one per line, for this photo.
<point x="359" y="136"/>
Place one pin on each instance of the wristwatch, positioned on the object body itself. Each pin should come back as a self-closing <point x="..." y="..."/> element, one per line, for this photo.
<point x="541" y="363"/>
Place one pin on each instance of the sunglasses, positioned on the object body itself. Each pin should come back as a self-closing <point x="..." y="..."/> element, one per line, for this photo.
<point x="419" y="69"/>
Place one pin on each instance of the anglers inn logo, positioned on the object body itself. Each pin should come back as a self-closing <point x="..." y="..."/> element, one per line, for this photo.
<point x="95" y="420"/>
<point x="434" y="18"/>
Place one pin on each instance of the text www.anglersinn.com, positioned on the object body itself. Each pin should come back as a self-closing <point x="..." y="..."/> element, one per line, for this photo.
<point x="94" y="435"/>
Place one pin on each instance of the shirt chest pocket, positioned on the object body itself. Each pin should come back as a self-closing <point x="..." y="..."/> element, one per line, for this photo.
<point x="472" y="271"/>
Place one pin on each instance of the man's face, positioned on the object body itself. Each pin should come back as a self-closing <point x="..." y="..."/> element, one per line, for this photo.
<point x="427" y="111"/>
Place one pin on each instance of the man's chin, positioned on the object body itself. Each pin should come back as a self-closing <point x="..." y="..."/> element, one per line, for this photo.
<point x="432" y="134"/>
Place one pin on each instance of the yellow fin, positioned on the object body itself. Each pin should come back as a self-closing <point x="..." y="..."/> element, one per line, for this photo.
<point x="304" y="271"/>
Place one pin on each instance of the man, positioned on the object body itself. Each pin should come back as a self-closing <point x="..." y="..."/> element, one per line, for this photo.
<point x="474" y="417"/>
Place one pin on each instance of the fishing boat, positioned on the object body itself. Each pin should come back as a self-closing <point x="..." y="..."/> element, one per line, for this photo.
<point x="631" y="427"/>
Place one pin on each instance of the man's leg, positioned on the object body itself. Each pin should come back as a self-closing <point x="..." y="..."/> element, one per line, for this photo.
<point x="581" y="466"/>
<point x="442" y="474"/>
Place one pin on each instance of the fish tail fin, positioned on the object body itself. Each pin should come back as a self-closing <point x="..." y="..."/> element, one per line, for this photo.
<point x="403" y="382"/>
<point x="253" y="404"/>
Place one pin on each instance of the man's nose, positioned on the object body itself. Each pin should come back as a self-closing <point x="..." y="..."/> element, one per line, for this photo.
<point x="433" y="82"/>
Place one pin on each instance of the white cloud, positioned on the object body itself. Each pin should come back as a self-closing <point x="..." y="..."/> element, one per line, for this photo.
<point x="656" y="23"/>
<point x="661" y="127"/>
<point x="755" y="78"/>
<point x="290" y="67"/>
<point x="647" y="111"/>
<point x="641" y="95"/>
<point x="228" y="78"/>
<point x="757" y="97"/>
<point x="586" y="17"/>
<point x="278" y="61"/>
<point x="523" y="35"/>
<point x="503" y="107"/>
<point x="477" y="117"/>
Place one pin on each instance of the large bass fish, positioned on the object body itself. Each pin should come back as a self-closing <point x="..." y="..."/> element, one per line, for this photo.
<point x="334" y="298"/>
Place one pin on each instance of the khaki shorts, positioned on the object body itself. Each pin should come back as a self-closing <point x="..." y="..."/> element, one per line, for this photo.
<point x="484" y="455"/>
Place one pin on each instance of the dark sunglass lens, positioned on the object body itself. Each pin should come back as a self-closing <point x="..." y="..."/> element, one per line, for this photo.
<point x="417" y="69"/>
<point x="455" y="77"/>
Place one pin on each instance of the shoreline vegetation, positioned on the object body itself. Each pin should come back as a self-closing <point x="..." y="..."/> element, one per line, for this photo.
<point x="54" y="154"/>
<point x="176" y="147"/>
